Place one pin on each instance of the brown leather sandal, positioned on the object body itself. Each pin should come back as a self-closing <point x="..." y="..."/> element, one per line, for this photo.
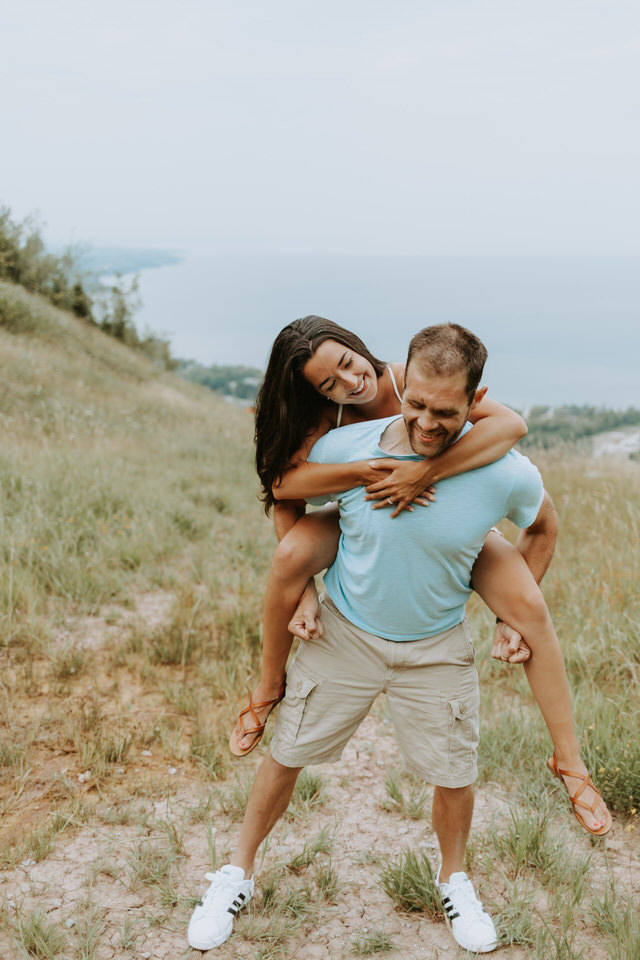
<point x="258" y="729"/>
<point x="575" y="799"/>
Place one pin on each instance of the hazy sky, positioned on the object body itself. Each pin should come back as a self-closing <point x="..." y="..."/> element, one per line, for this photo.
<point x="403" y="126"/>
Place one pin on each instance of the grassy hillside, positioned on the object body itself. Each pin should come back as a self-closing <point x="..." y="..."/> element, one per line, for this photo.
<point x="111" y="468"/>
<point x="118" y="479"/>
<point x="134" y="556"/>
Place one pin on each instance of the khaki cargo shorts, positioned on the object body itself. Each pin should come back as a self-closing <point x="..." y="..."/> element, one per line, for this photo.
<point x="431" y="687"/>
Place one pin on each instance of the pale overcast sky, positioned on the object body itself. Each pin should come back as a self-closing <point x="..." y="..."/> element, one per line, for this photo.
<point x="403" y="126"/>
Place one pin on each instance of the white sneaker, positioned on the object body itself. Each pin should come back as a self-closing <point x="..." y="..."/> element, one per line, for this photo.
<point x="212" y="920"/>
<point x="471" y="927"/>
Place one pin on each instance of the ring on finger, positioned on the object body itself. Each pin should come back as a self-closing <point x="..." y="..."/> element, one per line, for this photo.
<point x="389" y="500"/>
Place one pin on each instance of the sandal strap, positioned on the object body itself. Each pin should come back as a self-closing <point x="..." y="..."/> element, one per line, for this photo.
<point x="575" y="799"/>
<point x="259" y="726"/>
<point x="576" y="802"/>
<point x="584" y="785"/>
<point x="570" y="773"/>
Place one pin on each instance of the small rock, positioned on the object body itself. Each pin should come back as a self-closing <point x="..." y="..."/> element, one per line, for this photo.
<point x="69" y="923"/>
<point x="172" y="770"/>
<point x="83" y="777"/>
<point x="146" y="753"/>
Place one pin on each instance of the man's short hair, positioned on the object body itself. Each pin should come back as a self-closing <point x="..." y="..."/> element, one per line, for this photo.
<point x="448" y="348"/>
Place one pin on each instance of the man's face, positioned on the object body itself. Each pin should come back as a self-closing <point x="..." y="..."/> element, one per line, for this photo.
<point x="435" y="409"/>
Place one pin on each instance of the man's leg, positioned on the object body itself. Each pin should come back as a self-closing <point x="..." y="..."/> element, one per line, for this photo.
<point x="232" y="886"/>
<point x="269" y="798"/>
<point x="323" y="707"/>
<point x="434" y="704"/>
<point x="452" y="812"/>
<point x="471" y="926"/>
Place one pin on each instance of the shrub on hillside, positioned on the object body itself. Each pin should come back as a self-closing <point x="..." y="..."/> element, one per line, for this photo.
<point x="550" y="427"/>
<point x="25" y="261"/>
<point x="239" y="382"/>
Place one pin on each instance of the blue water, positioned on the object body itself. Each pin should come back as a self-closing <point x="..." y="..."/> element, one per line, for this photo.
<point x="557" y="331"/>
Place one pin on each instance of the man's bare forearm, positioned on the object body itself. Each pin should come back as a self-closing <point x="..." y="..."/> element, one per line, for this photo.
<point x="537" y="542"/>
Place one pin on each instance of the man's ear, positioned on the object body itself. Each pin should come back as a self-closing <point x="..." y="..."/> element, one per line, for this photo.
<point x="480" y="395"/>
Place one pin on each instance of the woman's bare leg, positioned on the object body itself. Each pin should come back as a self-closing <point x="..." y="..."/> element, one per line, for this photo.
<point x="308" y="548"/>
<point x="505" y="583"/>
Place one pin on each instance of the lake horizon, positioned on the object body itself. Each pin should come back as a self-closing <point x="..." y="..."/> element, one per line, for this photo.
<point x="558" y="330"/>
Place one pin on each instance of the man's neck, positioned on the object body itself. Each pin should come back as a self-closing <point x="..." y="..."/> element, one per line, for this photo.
<point x="395" y="440"/>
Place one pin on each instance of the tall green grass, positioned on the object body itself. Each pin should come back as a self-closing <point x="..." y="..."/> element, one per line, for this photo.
<point x="114" y="474"/>
<point x="118" y="478"/>
<point x="592" y="592"/>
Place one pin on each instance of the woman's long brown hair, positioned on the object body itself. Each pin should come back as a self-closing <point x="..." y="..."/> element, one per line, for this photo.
<point x="288" y="408"/>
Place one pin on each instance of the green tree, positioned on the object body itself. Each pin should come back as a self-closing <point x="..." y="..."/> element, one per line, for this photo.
<point x="115" y="307"/>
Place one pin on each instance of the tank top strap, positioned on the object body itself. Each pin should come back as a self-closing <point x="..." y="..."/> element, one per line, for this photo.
<point x="395" y="385"/>
<point x="339" y="417"/>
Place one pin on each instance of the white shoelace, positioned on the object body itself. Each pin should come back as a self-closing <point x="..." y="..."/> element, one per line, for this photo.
<point x="463" y="895"/>
<point x="218" y="881"/>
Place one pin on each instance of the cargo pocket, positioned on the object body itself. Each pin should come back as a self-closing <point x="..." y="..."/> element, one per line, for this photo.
<point x="291" y="710"/>
<point x="464" y="733"/>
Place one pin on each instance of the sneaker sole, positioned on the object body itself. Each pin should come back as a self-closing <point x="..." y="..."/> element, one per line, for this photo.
<point x="466" y="945"/>
<point x="209" y="944"/>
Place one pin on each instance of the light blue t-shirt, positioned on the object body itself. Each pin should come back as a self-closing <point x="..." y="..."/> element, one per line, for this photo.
<point x="408" y="578"/>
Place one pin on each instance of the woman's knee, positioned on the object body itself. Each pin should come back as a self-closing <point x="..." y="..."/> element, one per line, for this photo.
<point x="531" y="607"/>
<point x="294" y="555"/>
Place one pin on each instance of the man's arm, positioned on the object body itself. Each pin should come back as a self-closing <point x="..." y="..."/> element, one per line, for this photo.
<point x="537" y="542"/>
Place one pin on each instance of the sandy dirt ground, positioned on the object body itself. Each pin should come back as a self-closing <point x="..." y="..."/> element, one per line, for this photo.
<point x="61" y="883"/>
<point x="88" y="872"/>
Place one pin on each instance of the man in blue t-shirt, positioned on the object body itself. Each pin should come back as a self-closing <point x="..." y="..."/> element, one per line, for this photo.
<point x="394" y="622"/>
<point x="410" y="579"/>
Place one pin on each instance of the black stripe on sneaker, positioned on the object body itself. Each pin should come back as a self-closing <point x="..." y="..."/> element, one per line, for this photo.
<point x="241" y="896"/>
<point x="232" y="911"/>
<point x="449" y="909"/>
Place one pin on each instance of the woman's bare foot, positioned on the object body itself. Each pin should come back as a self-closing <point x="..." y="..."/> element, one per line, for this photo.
<point x="249" y="729"/>
<point x="588" y="806"/>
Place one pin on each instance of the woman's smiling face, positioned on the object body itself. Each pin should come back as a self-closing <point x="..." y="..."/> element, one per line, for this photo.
<point x="340" y="374"/>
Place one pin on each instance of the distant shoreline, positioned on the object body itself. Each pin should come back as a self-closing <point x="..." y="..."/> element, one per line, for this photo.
<point x="107" y="260"/>
<point x="124" y="260"/>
